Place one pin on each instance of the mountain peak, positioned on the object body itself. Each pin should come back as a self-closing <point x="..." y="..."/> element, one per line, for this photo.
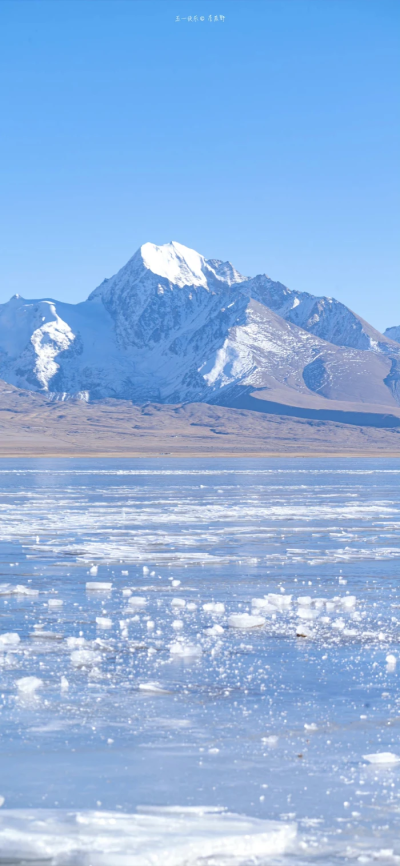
<point x="176" y="263"/>
<point x="172" y="262"/>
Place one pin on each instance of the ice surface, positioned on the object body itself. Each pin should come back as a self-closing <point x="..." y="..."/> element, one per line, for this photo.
<point x="277" y="721"/>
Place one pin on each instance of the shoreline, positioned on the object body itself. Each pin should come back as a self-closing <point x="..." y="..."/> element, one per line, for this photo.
<point x="134" y="455"/>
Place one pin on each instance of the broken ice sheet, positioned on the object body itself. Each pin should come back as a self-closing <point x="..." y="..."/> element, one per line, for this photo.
<point x="253" y="668"/>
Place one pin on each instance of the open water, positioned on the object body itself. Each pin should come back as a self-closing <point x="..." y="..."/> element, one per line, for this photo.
<point x="230" y="695"/>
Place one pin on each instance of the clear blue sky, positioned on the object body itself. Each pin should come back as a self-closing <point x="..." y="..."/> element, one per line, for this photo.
<point x="270" y="139"/>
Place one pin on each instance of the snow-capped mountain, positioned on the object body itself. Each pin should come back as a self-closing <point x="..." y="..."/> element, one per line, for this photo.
<point x="325" y="317"/>
<point x="393" y="333"/>
<point x="172" y="327"/>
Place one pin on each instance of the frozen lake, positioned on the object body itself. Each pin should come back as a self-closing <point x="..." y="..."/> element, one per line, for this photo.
<point x="214" y="702"/>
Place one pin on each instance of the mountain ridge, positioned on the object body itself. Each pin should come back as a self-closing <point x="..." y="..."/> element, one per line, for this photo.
<point x="173" y="327"/>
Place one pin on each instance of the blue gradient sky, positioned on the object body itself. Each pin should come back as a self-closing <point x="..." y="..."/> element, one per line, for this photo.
<point x="270" y="139"/>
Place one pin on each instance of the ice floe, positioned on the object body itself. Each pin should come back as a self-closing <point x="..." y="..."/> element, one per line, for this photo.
<point x="29" y="685"/>
<point x="99" y="585"/>
<point x="151" y="837"/>
<point x="382" y="758"/>
<point x="9" y="639"/>
<point x="245" y="620"/>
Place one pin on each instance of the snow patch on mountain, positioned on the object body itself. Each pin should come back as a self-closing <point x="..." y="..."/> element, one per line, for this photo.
<point x="33" y="334"/>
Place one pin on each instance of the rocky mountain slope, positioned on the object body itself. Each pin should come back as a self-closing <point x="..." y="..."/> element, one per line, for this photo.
<point x="393" y="333"/>
<point x="172" y="327"/>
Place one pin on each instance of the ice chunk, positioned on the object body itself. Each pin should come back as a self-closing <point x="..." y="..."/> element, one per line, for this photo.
<point x="150" y="625"/>
<point x="29" y="685"/>
<point x="391" y="660"/>
<point x="177" y="624"/>
<point x="55" y="602"/>
<point x="245" y="620"/>
<point x="382" y="758"/>
<point x="191" y="606"/>
<point x="304" y="600"/>
<point x="307" y="613"/>
<point x="93" y="570"/>
<point x="153" y="688"/>
<point x="178" y="602"/>
<point x="9" y="639"/>
<point x="154" y="836"/>
<point x="24" y="590"/>
<point x="64" y="684"/>
<point x="262" y="604"/>
<point x="214" y="607"/>
<point x="281" y="601"/>
<point x="349" y="601"/>
<point x="185" y="650"/>
<point x="270" y="741"/>
<point x="75" y="642"/>
<point x="145" y="569"/>
<point x="137" y="601"/>
<point x="98" y="585"/>
<point x="304" y="630"/>
<point x="215" y="630"/>
<point x="84" y="658"/>
<point x="105" y="646"/>
<point x="45" y="635"/>
<point x="175" y="583"/>
<point x="103" y="621"/>
<point x="338" y="624"/>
